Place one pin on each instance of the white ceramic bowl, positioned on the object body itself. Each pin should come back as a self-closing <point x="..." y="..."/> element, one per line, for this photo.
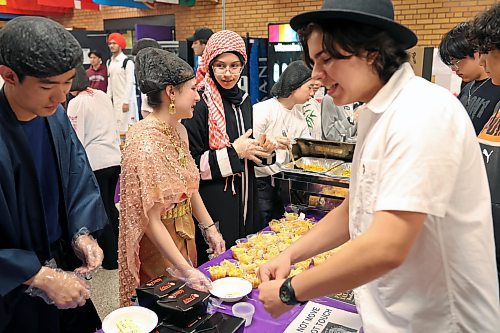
<point x="142" y="317"/>
<point x="231" y="289"/>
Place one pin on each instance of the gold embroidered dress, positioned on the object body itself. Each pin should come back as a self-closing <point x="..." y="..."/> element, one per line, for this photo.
<point x="156" y="168"/>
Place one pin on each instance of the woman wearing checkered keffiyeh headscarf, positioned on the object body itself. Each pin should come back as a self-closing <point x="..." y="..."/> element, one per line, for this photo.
<point x="221" y="143"/>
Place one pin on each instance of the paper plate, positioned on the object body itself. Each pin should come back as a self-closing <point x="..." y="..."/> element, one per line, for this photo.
<point x="231" y="289"/>
<point x="142" y="317"/>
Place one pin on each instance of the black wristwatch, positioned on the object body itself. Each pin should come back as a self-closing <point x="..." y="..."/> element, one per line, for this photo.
<point x="287" y="294"/>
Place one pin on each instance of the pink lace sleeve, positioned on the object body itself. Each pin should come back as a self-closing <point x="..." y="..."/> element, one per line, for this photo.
<point x="149" y="175"/>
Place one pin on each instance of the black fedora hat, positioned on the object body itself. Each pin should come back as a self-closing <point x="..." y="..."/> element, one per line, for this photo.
<point x="378" y="13"/>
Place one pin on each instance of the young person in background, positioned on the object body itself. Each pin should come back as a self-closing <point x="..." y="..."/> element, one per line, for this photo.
<point x="121" y="83"/>
<point x="200" y="39"/>
<point x="484" y="35"/>
<point x="480" y="95"/>
<point x="92" y="116"/>
<point x="281" y="118"/>
<point x="142" y="43"/>
<point x="97" y="72"/>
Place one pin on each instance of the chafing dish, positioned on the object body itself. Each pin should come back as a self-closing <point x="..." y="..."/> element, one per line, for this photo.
<point x="315" y="189"/>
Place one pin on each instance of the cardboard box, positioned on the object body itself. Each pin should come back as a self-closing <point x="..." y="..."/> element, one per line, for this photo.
<point x="421" y="61"/>
<point x="216" y="323"/>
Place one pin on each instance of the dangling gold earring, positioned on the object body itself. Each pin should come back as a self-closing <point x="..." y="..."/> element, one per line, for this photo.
<point x="171" y="108"/>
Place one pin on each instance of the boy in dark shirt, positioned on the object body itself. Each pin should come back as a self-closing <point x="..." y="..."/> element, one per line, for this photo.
<point x="479" y="96"/>
<point x="484" y="36"/>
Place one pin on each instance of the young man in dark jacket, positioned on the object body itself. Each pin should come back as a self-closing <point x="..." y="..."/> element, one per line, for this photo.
<point x="49" y="198"/>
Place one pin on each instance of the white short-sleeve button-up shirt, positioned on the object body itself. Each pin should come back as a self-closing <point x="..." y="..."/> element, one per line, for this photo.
<point x="417" y="151"/>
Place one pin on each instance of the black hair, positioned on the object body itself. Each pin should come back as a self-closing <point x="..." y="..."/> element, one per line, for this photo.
<point x="155" y="96"/>
<point x="203" y="41"/>
<point x="80" y="81"/>
<point x="454" y="44"/>
<point x="356" y="38"/>
<point x="143" y="43"/>
<point x="96" y="53"/>
<point x="484" y="30"/>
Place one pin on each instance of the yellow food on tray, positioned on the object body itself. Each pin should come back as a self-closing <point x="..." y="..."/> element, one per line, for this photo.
<point x="291" y="216"/>
<point x="303" y="264"/>
<point x="245" y="258"/>
<point x="257" y="249"/>
<point x="319" y="259"/>
<point x="346" y="173"/>
<point x="253" y="279"/>
<point x="228" y="264"/>
<point x="275" y="225"/>
<point x="238" y="252"/>
<point x="295" y="271"/>
<point x="217" y="272"/>
<point x="249" y="268"/>
<point x="314" y="168"/>
<point x="127" y="325"/>
<point x="235" y="272"/>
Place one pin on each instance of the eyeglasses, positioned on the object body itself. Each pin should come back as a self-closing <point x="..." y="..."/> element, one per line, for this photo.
<point x="454" y="65"/>
<point x="221" y="69"/>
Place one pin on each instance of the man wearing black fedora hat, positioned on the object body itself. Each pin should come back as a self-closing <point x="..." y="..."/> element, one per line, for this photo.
<point x="420" y="255"/>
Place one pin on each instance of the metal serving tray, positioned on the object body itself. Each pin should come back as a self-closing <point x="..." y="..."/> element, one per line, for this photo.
<point x="325" y="149"/>
<point x="343" y="170"/>
<point x="312" y="165"/>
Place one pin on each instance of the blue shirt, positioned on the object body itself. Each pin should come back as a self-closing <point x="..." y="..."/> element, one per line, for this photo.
<point x="45" y="159"/>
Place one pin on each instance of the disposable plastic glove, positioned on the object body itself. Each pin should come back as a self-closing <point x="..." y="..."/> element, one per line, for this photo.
<point x="214" y="239"/>
<point x="63" y="289"/>
<point x="88" y="251"/>
<point x="249" y="148"/>
<point x="193" y="277"/>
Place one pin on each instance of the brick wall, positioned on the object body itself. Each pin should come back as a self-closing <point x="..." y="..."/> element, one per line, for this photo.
<point x="430" y="19"/>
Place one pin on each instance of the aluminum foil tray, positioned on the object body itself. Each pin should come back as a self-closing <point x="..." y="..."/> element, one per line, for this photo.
<point x="343" y="170"/>
<point x="323" y="149"/>
<point x="312" y="165"/>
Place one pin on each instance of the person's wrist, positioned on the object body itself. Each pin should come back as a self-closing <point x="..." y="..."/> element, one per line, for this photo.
<point x="287" y="255"/>
<point x="185" y="269"/>
<point x="40" y="279"/>
<point x="236" y="147"/>
<point x="295" y="283"/>
<point x="207" y="227"/>
<point x="288" y="294"/>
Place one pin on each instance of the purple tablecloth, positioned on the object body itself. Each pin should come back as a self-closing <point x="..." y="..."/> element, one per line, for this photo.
<point x="262" y="321"/>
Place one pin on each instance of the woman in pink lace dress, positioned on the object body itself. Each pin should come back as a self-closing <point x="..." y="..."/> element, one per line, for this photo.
<point x="159" y="181"/>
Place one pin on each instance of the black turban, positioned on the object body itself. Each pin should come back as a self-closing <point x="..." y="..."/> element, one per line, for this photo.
<point x="156" y="68"/>
<point x="39" y="47"/>
<point x="294" y="76"/>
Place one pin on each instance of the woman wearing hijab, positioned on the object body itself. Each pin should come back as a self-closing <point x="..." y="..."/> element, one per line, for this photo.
<point x="159" y="182"/>
<point x="220" y="140"/>
<point x="281" y="118"/>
